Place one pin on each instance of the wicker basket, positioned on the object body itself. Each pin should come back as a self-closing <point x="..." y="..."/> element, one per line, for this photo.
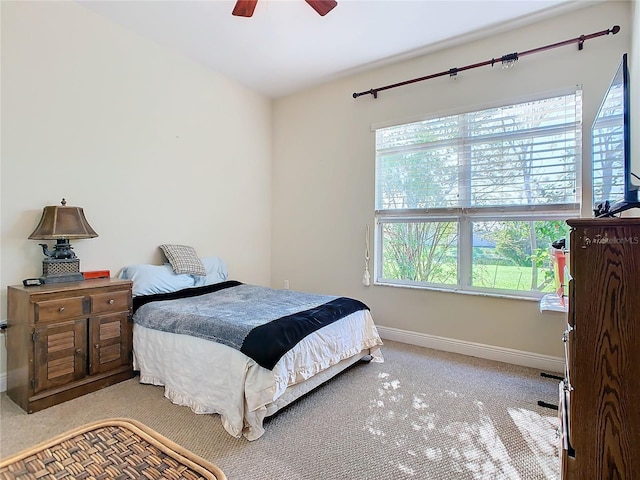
<point x="110" y="449"/>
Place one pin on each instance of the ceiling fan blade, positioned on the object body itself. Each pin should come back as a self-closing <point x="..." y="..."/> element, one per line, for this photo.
<point x="322" y="6"/>
<point x="244" y="8"/>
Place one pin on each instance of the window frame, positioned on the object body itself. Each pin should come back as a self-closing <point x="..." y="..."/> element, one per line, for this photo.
<point x="464" y="216"/>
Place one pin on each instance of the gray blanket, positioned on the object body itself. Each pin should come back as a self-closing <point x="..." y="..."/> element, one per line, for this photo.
<point x="226" y="316"/>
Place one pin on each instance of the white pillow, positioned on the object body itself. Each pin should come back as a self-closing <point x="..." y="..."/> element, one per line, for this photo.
<point x="150" y="279"/>
<point x="216" y="272"/>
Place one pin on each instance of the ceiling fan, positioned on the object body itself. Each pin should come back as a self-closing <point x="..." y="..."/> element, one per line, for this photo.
<point x="245" y="8"/>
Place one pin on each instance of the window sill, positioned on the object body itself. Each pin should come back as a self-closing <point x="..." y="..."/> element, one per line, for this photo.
<point x="460" y="292"/>
<point x="551" y="303"/>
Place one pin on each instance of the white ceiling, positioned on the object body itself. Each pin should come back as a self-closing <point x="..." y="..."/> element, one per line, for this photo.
<point x="287" y="47"/>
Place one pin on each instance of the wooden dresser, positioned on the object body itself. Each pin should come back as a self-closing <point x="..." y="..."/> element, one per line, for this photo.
<point x="600" y="396"/>
<point x="67" y="339"/>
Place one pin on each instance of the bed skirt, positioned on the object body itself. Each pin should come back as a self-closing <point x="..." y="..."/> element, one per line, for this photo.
<point x="209" y="377"/>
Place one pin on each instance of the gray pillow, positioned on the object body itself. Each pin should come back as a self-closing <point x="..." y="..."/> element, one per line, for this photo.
<point x="183" y="259"/>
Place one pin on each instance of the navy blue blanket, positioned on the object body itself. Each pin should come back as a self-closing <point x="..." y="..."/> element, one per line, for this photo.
<point x="261" y="322"/>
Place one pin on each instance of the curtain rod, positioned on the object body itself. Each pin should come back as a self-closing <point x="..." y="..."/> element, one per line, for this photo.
<point x="507" y="60"/>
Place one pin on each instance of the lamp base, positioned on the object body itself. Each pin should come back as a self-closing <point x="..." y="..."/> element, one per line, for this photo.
<point x="73" y="277"/>
<point x="55" y="270"/>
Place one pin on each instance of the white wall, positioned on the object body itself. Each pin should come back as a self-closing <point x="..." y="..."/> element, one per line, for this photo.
<point x="155" y="147"/>
<point x="323" y="172"/>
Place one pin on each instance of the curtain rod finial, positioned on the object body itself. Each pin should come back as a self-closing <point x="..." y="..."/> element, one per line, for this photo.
<point x="373" y="92"/>
<point x="615" y="29"/>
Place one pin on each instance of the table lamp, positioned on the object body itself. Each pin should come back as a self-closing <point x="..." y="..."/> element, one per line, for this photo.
<point x="61" y="223"/>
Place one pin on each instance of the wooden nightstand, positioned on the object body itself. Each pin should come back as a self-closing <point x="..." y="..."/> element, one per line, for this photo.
<point x="67" y="339"/>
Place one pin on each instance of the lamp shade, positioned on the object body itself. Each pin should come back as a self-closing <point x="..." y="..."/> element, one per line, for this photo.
<point x="62" y="222"/>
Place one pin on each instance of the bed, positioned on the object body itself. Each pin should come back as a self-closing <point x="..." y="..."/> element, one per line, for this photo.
<point x="203" y="339"/>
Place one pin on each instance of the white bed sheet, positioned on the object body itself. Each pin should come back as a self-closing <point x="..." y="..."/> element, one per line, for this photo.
<point x="209" y="377"/>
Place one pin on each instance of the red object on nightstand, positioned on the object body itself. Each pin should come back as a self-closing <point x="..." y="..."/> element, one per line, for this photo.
<point x="97" y="274"/>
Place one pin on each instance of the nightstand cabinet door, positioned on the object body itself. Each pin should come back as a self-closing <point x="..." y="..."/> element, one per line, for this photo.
<point x="60" y="354"/>
<point x="110" y="342"/>
<point x="67" y="339"/>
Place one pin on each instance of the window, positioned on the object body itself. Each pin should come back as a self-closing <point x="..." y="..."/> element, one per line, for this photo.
<point x="472" y="202"/>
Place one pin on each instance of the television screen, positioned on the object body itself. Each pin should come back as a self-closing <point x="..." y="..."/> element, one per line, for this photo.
<point x="613" y="189"/>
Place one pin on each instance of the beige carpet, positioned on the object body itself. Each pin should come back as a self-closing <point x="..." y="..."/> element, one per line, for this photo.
<point x="422" y="414"/>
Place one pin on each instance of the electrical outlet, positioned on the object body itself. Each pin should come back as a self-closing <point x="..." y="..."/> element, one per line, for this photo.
<point x="286" y="285"/>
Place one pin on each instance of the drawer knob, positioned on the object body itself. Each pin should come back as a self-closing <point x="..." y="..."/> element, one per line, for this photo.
<point x="79" y="352"/>
<point x="111" y="301"/>
<point x="61" y="309"/>
<point x="96" y="345"/>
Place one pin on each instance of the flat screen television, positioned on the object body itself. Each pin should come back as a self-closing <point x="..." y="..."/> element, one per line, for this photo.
<point x="613" y="181"/>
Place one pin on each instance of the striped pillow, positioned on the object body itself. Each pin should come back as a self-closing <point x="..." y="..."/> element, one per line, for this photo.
<point x="183" y="259"/>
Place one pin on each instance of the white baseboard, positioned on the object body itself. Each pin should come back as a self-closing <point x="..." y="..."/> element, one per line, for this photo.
<point x="490" y="352"/>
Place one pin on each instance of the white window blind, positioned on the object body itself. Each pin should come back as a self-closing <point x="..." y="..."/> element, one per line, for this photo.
<point x="516" y="155"/>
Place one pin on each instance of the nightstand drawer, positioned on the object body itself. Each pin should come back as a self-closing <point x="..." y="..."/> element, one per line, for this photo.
<point x="110" y="302"/>
<point x="59" y="309"/>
